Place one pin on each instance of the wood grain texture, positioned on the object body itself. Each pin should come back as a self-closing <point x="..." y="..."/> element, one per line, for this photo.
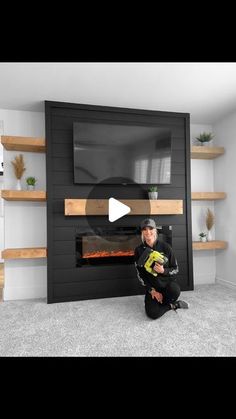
<point x="208" y="196"/>
<point x="25" y="253"/>
<point x="202" y="152"/>
<point x="214" y="244"/>
<point x="33" y="144"/>
<point x="11" y="195"/>
<point x="138" y="206"/>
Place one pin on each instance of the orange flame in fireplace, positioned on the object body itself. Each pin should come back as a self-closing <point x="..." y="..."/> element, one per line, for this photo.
<point x="105" y="254"/>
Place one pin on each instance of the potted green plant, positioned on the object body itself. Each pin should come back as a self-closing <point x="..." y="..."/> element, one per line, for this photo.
<point x="31" y="180"/>
<point x="203" y="237"/>
<point x="205" y="137"/>
<point x="152" y="192"/>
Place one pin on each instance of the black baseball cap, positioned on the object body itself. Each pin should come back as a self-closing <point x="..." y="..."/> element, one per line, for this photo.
<point x="148" y="222"/>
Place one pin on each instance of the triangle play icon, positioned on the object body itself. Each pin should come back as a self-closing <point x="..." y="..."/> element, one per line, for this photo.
<point x="117" y="209"/>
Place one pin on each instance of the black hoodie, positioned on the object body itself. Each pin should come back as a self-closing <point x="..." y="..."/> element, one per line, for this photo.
<point x="170" y="268"/>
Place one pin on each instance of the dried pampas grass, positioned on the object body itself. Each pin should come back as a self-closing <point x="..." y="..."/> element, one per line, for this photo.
<point x="19" y="166"/>
<point x="210" y="219"/>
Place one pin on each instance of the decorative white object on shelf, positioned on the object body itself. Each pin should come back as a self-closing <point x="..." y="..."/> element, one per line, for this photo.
<point x="153" y="195"/>
<point x="205" y="138"/>
<point x="18" y="185"/>
<point x="152" y="192"/>
<point x="203" y="237"/>
<point x="30" y="181"/>
<point x="19" y="168"/>
<point x="210" y="220"/>
<point x="209" y="236"/>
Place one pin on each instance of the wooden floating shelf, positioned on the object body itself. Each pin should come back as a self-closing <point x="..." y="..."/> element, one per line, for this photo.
<point x="33" y="144"/>
<point x="12" y="195"/>
<point x="25" y="253"/>
<point x="208" y="196"/>
<point x="214" y="244"/>
<point x="202" y="152"/>
<point x="138" y="206"/>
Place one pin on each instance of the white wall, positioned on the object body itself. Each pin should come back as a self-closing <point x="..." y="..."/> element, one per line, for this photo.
<point x="202" y="180"/>
<point x="1" y="200"/>
<point x="224" y="180"/>
<point x="24" y="222"/>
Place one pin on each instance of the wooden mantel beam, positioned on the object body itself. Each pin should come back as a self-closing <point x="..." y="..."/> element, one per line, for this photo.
<point x="138" y="206"/>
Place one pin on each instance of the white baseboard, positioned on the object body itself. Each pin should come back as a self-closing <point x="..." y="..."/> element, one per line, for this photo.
<point x="225" y="283"/>
<point x="23" y="293"/>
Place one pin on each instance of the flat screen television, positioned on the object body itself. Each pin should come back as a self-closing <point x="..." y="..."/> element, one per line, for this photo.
<point x="106" y="152"/>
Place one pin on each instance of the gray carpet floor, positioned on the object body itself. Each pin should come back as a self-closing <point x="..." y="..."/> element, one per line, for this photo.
<point x="119" y="327"/>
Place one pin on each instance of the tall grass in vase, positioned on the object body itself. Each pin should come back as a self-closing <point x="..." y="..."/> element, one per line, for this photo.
<point x="210" y="220"/>
<point x="19" y="168"/>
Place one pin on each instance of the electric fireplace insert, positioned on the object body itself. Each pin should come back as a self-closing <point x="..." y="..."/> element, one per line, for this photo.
<point x="111" y="245"/>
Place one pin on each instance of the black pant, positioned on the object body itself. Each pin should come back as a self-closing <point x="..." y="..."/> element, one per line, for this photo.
<point x="170" y="295"/>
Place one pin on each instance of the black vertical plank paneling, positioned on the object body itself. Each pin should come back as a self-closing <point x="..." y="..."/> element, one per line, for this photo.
<point x="99" y="282"/>
<point x="49" y="170"/>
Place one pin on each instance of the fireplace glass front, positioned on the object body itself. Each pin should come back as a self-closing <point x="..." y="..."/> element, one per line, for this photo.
<point x="113" y="245"/>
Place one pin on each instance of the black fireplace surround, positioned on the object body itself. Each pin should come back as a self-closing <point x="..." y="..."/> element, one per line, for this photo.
<point x="84" y="262"/>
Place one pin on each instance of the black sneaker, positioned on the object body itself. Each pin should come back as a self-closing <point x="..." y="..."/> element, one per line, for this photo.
<point x="180" y="304"/>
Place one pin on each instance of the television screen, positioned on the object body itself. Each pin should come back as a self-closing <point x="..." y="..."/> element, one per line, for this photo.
<point x="120" y="153"/>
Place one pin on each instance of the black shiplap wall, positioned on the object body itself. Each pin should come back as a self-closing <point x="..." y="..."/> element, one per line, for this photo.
<point x="65" y="281"/>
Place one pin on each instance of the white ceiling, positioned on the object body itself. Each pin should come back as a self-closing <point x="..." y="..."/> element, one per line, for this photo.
<point x="205" y="90"/>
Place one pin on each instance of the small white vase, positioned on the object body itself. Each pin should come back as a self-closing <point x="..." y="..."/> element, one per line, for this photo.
<point x="30" y="187"/>
<point x="18" y="185"/>
<point x="153" y="195"/>
<point x="209" y="236"/>
<point x="204" y="144"/>
<point x="203" y="239"/>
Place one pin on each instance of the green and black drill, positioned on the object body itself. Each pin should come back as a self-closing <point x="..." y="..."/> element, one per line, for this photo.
<point x="148" y="259"/>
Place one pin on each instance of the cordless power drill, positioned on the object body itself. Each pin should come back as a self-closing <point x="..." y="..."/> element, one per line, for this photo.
<point x="148" y="259"/>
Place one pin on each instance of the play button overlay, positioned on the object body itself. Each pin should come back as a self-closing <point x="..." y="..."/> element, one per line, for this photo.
<point x="117" y="210"/>
<point x="113" y="215"/>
